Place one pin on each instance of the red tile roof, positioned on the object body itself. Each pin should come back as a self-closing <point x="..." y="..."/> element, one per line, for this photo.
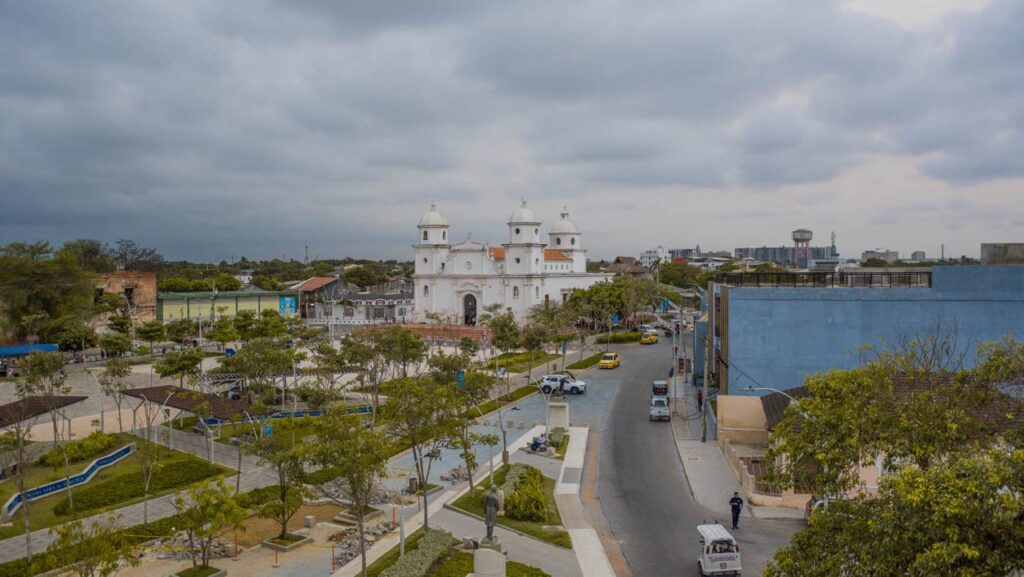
<point x="497" y="252"/>
<point x="552" y="254"/>
<point x="312" y="284"/>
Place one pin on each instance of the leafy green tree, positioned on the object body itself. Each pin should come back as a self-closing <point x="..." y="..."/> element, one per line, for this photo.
<point x="279" y="453"/>
<point x="37" y="286"/>
<point x="601" y="302"/>
<point x="227" y="282"/>
<point x="533" y="339"/>
<point x="962" y="516"/>
<point x="468" y="347"/>
<point x="245" y="323"/>
<point x="174" y="284"/>
<point x="366" y="275"/>
<point x="261" y="361"/>
<point x="90" y="548"/>
<point x="357" y="455"/>
<point x="875" y="263"/>
<point x="113" y="384"/>
<point x="69" y="332"/>
<point x="361" y="351"/>
<point x="181" y="330"/>
<point x="271" y="325"/>
<point x="89" y="254"/>
<point x="120" y="324"/>
<point x="267" y="283"/>
<point x="179" y="365"/>
<point x="223" y="332"/>
<point x="115" y="344"/>
<point x="204" y="511"/>
<point x="321" y="268"/>
<point x="151" y="332"/>
<point x="43" y="379"/>
<point x="424" y="415"/>
<point x="400" y="348"/>
<point x="503" y="327"/>
<point x="680" y="274"/>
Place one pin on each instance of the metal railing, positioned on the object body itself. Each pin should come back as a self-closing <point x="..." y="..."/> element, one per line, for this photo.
<point x="888" y="279"/>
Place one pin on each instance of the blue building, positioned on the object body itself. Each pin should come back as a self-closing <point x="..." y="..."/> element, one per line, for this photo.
<point x="772" y="330"/>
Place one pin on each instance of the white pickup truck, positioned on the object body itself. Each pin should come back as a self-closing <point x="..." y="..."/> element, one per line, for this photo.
<point x="660" y="409"/>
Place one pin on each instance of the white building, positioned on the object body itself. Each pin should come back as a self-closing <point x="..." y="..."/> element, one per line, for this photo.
<point x="654" y="256"/>
<point x="458" y="281"/>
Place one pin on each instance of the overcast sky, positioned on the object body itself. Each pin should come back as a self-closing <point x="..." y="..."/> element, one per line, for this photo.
<point x="212" y="129"/>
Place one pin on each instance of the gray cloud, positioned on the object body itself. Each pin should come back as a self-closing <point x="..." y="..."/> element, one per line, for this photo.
<point x="257" y="127"/>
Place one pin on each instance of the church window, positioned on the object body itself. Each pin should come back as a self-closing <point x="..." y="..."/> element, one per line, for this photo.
<point x="536" y="291"/>
<point x="424" y="260"/>
<point x="515" y="292"/>
<point x="572" y="241"/>
<point x="517" y="231"/>
<point x="442" y="267"/>
<point x="426" y="290"/>
<point x="536" y="261"/>
<point x="444" y="235"/>
<point x="536" y="231"/>
<point x="469" y="265"/>
<point x="517" y="260"/>
<point x="558" y="241"/>
<point x="424" y="235"/>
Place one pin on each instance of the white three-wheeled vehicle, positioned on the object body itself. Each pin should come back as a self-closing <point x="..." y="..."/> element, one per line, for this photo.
<point x="719" y="552"/>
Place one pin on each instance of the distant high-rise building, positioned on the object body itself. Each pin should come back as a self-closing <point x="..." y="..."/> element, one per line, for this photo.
<point x="918" y="256"/>
<point x="684" y="253"/>
<point x="889" y="256"/>
<point x="654" y="256"/>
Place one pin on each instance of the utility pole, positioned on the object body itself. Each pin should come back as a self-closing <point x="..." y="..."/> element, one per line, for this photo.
<point x="707" y="374"/>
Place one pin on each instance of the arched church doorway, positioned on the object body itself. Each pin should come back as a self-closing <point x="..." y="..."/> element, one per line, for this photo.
<point x="469" y="309"/>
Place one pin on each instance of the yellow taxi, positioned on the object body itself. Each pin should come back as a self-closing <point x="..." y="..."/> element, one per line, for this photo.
<point x="649" y="338"/>
<point x="609" y="361"/>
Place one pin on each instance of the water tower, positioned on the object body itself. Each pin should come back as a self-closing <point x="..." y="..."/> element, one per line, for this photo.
<point x="801" y="246"/>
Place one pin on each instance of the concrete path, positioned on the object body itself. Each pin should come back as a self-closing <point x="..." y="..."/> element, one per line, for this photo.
<point x="586" y="544"/>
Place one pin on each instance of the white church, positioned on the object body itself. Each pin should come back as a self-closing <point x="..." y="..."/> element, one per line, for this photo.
<point x="458" y="281"/>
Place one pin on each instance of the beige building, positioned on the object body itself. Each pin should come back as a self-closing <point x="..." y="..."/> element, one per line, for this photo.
<point x="137" y="288"/>
<point x="209" y="306"/>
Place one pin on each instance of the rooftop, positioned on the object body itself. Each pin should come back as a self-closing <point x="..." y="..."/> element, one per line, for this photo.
<point x="31" y="407"/>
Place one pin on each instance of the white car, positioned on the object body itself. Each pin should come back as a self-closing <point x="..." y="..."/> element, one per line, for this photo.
<point x="660" y="409"/>
<point x="563" y="383"/>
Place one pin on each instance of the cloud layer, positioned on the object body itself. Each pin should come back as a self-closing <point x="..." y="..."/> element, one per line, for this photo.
<point x="255" y="127"/>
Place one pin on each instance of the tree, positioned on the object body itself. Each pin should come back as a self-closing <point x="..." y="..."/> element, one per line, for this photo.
<point x="468" y="347"/>
<point x="328" y="362"/>
<point x="69" y="332"/>
<point x="89" y="254"/>
<point x="115" y="344"/>
<point x="962" y="516"/>
<point x="533" y="339"/>
<point x="358" y="457"/>
<point x="13" y="443"/>
<point x="37" y="286"/>
<point x="90" y="548"/>
<point x="400" y="347"/>
<point x="131" y="256"/>
<point x="245" y="324"/>
<point x="875" y="262"/>
<point x="279" y="453"/>
<point x="120" y="324"/>
<point x="223" y="332"/>
<point x="204" y="511"/>
<point x="227" y="282"/>
<point x="679" y="274"/>
<point x="43" y="379"/>
<point x="267" y="283"/>
<point x="174" y="284"/>
<point x="365" y="276"/>
<point x="151" y="332"/>
<point x="179" y="365"/>
<point x="181" y="330"/>
<point x="112" y="383"/>
<point x="261" y="362"/>
<point x="424" y="415"/>
<point x="360" y="350"/>
<point x="271" y="325"/>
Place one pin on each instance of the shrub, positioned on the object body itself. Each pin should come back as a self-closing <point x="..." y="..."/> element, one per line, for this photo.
<point x="586" y="363"/>
<point x="434" y="545"/>
<point x="129" y="486"/>
<point x="256" y="498"/>
<point x="614" y="338"/>
<point x="86" y="448"/>
<point x="557" y="437"/>
<point x="512" y="475"/>
<point x="526" y="503"/>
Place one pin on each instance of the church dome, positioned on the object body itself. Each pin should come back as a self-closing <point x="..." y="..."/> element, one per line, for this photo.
<point x="433" y="218"/>
<point x="523" y="215"/>
<point x="565" y="226"/>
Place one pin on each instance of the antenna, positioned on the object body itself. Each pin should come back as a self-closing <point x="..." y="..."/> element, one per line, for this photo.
<point x="307" y="256"/>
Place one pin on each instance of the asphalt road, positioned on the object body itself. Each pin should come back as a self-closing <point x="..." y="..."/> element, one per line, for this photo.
<point x="642" y="488"/>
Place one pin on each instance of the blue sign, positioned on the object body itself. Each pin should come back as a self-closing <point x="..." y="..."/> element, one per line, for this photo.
<point x="268" y="430"/>
<point x="615" y="319"/>
<point x="664" y="305"/>
<point x="288" y="305"/>
<point x="565" y="345"/>
<point x="229" y="352"/>
<point x="460" y="379"/>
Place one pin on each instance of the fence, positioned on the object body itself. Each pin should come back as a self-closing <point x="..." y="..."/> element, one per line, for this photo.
<point x="888" y="279"/>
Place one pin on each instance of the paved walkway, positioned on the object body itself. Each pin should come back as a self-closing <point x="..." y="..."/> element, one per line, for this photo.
<point x="586" y="544"/>
<point x="708" y="473"/>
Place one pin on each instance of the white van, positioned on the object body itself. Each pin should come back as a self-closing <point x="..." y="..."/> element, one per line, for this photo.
<point x="660" y="409"/>
<point x="719" y="552"/>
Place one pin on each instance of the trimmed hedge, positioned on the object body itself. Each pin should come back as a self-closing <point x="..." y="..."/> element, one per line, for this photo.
<point x="586" y="363"/>
<point x="618" y="338"/>
<point x="126" y="487"/>
<point x="86" y="448"/>
<point x="434" y="545"/>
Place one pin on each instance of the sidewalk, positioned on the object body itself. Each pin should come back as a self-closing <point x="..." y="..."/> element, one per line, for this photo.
<point x="590" y="553"/>
<point x="709" y="475"/>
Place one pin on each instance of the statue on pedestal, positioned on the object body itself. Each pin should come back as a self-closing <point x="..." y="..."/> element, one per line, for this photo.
<point x="491" y="506"/>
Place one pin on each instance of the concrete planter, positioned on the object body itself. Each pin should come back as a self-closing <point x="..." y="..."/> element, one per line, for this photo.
<point x="219" y="573"/>
<point x="289" y="547"/>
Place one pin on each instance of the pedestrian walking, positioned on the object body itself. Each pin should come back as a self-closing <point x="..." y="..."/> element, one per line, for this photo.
<point x="671" y="372"/>
<point x="700" y="400"/>
<point x="737" y="505"/>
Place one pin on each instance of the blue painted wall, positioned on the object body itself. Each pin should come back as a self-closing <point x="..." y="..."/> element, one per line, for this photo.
<point x="777" y="336"/>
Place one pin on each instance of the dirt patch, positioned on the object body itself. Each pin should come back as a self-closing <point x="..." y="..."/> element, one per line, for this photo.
<point x="258" y="529"/>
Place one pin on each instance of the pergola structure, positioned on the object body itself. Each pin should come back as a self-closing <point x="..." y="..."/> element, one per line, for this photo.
<point x="21" y="415"/>
<point x="212" y="411"/>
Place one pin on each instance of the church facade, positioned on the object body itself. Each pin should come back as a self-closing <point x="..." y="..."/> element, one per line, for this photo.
<point x="457" y="281"/>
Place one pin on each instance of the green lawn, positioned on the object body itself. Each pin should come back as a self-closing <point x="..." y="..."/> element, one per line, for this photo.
<point x="586" y="363"/>
<point x="459" y="564"/>
<point x="41" y="513"/>
<point x="561" y="449"/>
<point x="520" y="362"/>
<point x="472" y="502"/>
